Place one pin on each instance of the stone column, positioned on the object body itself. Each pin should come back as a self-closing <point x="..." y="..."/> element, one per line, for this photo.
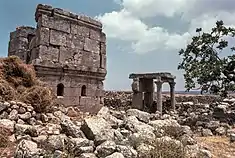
<point x="172" y="94"/>
<point x="137" y="99"/>
<point x="159" y="95"/>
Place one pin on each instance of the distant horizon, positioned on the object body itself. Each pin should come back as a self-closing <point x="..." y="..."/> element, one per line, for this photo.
<point x="182" y="92"/>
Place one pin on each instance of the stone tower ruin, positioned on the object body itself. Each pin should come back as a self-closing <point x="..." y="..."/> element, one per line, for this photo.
<point x="68" y="52"/>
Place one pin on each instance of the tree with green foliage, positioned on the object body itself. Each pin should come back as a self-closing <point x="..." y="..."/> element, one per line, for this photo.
<point x="204" y="63"/>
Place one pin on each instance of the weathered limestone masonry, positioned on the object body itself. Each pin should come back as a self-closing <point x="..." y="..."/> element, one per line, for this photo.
<point x="143" y="89"/>
<point x="68" y="52"/>
<point x="19" y="42"/>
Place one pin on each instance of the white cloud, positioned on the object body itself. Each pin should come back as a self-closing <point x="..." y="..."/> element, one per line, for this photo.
<point x="207" y="21"/>
<point x="150" y="8"/>
<point x="127" y="24"/>
<point x="122" y="25"/>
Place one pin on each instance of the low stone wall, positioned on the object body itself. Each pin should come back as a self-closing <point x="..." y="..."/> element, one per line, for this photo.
<point x="118" y="100"/>
<point x="122" y="99"/>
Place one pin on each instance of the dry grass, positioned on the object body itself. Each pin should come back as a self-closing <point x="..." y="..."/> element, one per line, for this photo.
<point x="4" y="133"/>
<point x="7" y="92"/>
<point x="173" y="131"/>
<point x="14" y="71"/>
<point x="18" y="82"/>
<point x="167" y="149"/>
<point x="39" y="97"/>
<point x="220" y="147"/>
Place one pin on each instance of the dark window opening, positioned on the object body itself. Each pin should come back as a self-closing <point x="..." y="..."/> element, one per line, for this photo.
<point x="101" y="100"/>
<point x="30" y="37"/>
<point x="101" y="60"/>
<point x="83" y="91"/>
<point x="52" y="13"/>
<point x="28" y="54"/>
<point x="28" y="57"/>
<point x="60" y="89"/>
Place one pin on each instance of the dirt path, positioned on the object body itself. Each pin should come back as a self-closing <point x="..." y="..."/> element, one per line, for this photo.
<point x="220" y="147"/>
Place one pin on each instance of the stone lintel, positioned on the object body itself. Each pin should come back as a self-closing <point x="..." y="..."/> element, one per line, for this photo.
<point x="163" y="75"/>
<point x="167" y="80"/>
<point x="82" y="19"/>
<point x="58" y="71"/>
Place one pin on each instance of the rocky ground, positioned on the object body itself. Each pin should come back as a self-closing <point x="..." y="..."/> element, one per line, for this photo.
<point x="219" y="146"/>
<point x="195" y="130"/>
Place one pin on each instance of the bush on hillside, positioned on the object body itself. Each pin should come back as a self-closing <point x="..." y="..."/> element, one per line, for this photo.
<point x="16" y="72"/>
<point x="7" y="92"/>
<point x="18" y="82"/>
<point x="39" y="97"/>
<point x="173" y="131"/>
<point x="167" y="149"/>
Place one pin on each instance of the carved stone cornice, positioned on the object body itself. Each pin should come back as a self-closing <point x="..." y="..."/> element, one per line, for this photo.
<point x="63" y="14"/>
<point x="60" y="71"/>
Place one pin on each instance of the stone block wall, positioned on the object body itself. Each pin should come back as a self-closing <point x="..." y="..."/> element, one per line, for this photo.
<point x="73" y="91"/>
<point x="19" y="42"/>
<point x="61" y="38"/>
<point x="64" y="38"/>
<point x="66" y="49"/>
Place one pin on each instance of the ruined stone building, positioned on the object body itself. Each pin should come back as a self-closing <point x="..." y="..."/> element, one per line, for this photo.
<point x="143" y="89"/>
<point x="68" y="52"/>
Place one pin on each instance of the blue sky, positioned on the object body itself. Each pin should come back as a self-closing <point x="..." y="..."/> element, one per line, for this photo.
<point x="142" y="36"/>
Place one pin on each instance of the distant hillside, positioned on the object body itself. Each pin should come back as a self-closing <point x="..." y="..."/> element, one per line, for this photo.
<point x="164" y="92"/>
<point x="183" y="92"/>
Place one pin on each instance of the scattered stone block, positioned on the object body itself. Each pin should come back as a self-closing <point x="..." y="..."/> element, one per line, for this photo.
<point x="96" y="128"/>
<point x="27" y="148"/>
<point x="8" y="124"/>
<point x="105" y="149"/>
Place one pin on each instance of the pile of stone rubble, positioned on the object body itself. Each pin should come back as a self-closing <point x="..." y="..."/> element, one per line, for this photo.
<point x="217" y="118"/>
<point x="109" y="134"/>
<point x="207" y="115"/>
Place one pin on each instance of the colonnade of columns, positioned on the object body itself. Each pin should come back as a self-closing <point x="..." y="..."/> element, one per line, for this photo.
<point x="143" y="90"/>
